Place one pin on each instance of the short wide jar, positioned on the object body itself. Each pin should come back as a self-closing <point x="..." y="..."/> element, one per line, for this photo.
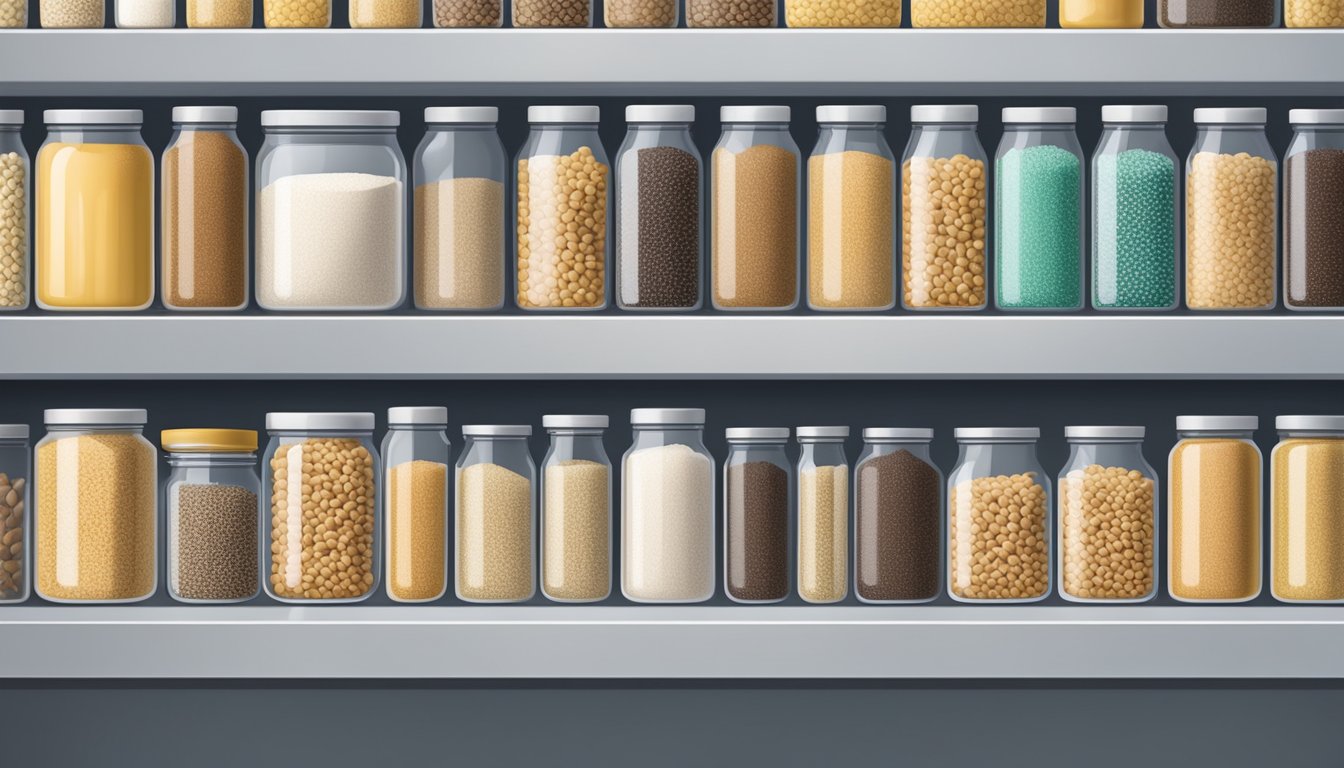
<point x="16" y="529"/>
<point x="416" y="454"/>
<point x="1307" y="512"/>
<point x="496" y="527"/>
<point x="576" y="510"/>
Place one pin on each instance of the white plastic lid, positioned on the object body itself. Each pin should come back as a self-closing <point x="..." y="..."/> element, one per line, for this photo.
<point x="497" y="430"/>
<point x="1231" y="116"/>
<point x="756" y="433"/>
<point x="1217" y="423"/>
<point x="1316" y="116"/>
<point x="575" y="421"/>
<point x="1310" y="423"/>
<point x="1104" y="433"/>
<point x="93" y="116"/>
<point x="11" y="117"/>
<point x="944" y="113"/>
<point x="997" y="433"/>
<point x="851" y="113"/>
<point x="897" y="433"/>
<point x="805" y="433"/>
<point x="95" y="416"/>
<point x="1134" y="113"/>
<point x="667" y="416"/>
<point x="13" y="431"/>
<point x="205" y="114"/>
<point x="765" y="114"/>
<point x="570" y="114"/>
<point x="660" y="113"/>
<point x="1040" y="115"/>
<point x="330" y="118"/>
<point x="418" y="414"/>
<point x="462" y="114"/>
<point x="324" y="421"/>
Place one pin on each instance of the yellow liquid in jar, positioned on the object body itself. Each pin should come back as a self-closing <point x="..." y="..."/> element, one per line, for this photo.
<point x="95" y="226"/>
<point x="1101" y="14"/>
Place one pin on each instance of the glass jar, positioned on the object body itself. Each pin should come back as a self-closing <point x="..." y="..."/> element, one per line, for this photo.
<point x="944" y="205"/>
<point x="72" y="14"/>
<point x="16" y="540"/>
<point x="13" y="14"/>
<point x="97" y="511"/>
<point x="576" y="511"/>
<point x="459" y="221"/>
<point x="898" y="517"/>
<point x="1313" y="195"/>
<point x="757" y="499"/>
<point x="1195" y="14"/>
<point x="15" y="184"/>
<point x="331" y="211"/>
<point x="667" y="508"/>
<point x="496" y="515"/>
<point x="646" y="14"/>
<point x="755" y="211"/>
<point x="320" y="473"/>
<point x="386" y="14"/>
<point x="1107" y="517"/>
<point x="828" y="13"/>
<point x="1313" y="14"/>
<point x="1101" y="14"/>
<point x="563" y="196"/>
<point x="204" y="211"/>
<point x="1135" y="199"/>
<point x="823" y="514"/>
<point x="416" y="455"/>
<point x="302" y="14"/>
<point x="452" y="14"/>
<point x="146" y="14"/>
<point x="1231" y="209"/>
<point x="731" y="13"/>
<point x="995" y="463"/>
<point x="962" y="14"/>
<point x="219" y="14"/>
<point x="851" y="212"/>
<point x="1038" y="210"/>
<point x="552" y="13"/>
<point x="210" y="498"/>
<point x="95" y="212"/>
<point x="659" y="209"/>
<point x="1213" y="512"/>
<point x="1307" y="510"/>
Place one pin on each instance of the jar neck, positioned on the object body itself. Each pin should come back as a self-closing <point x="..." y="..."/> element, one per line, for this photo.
<point x="350" y="433"/>
<point x="1309" y="434"/>
<point x="328" y="130"/>
<point x="461" y="127"/>
<point x="822" y="452"/>
<point x="211" y="459"/>
<point x="920" y="448"/>
<point x="1126" y="453"/>
<point x="1234" y="128"/>
<point x="1023" y="449"/>
<point x="586" y="437"/>
<point x="965" y="127"/>
<point x="206" y="127"/>
<point x="1152" y="127"/>
<point x="764" y="127"/>
<point x="417" y="428"/>
<point x="14" y="442"/>
<point x="1204" y="434"/>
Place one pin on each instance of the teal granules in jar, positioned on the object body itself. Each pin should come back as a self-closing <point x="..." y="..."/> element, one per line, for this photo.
<point x="1135" y="258"/>
<point x="1038" y="227"/>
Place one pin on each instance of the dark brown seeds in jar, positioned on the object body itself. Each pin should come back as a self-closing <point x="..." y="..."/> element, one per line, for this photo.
<point x="898" y="521"/>
<point x="1314" y="229"/>
<point x="468" y="13"/>
<point x="1218" y="13"/>
<point x="730" y="13"/>
<point x="758" y="531"/>
<point x="552" y="13"/>
<point x="661" y="263"/>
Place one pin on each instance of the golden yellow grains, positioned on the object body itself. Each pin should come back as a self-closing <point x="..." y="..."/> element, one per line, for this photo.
<point x="823" y="534"/>
<point x="1230" y="232"/>
<point x="97" y="505"/>
<point x="323" y="497"/>
<point x="846" y="13"/>
<point x="562" y="231"/>
<point x="459" y="244"/>
<point x="754" y="244"/>
<point x="384" y="14"/>
<point x="1308" y="520"/>
<point x="640" y="13"/>
<point x="494" y="534"/>
<point x="1313" y="13"/>
<point x="71" y="14"/>
<point x="417" y="530"/>
<point x="1215" y="520"/>
<point x="576" y="531"/>
<point x="851" y="222"/>
<point x="309" y="14"/>
<point x="13" y="523"/>
<point x="468" y="13"/>
<point x="1108" y="520"/>
<point x="998" y="544"/>
<point x="219" y="14"/>
<point x="943" y="204"/>
<point x="977" y="13"/>
<point x="13" y="14"/>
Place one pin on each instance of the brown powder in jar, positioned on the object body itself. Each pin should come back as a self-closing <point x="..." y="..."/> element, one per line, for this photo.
<point x="205" y="222"/>
<point x="755" y="228"/>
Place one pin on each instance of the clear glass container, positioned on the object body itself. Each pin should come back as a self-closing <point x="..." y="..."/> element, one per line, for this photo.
<point x="1213" y="510"/>
<point x="15" y="185"/>
<point x="145" y="14"/>
<point x="964" y="14"/>
<point x="204" y="212"/>
<point x="16" y="530"/>
<point x="756" y="205"/>
<point x="563" y="195"/>
<point x="552" y="13"/>
<point x="454" y="14"/>
<point x="823" y="514"/>
<point x="1135" y="211"/>
<point x="97" y="507"/>
<point x="1101" y="14"/>
<point x="995" y="463"/>
<point x="1313" y="196"/>
<point x="827" y="13"/>
<point x="1313" y="14"/>
<point x="944" y="210"/>
<point x="898" y="517"/>
<point x="1307" y="510"/>
<point x="1107" y="517"/>
<point x="659" y="210"/>
<point x="386" y="14"/>
<point x="731" y="13"/>
<point x="1196" y="14"/>
<point x="496" y="515"/>
<point x="645" y="14"/>
<point x="667" y="508"/>
<point x="331" y="211"/>
<point x="95" y="212"/>
<point x="757" y="504"/>
<point x="219" y="14"/>
<point x="320" y="473"/>
<point x="214" y="520"/>
<point x="576" y="511"/>
<point x="459" y="222"/>
<point x="416" y="454"/>
<point x="13" y="14"/>
<point x="1038" y="211"/>
<point x="300" y="14"/>
<point x="1231" y="212"/>
<point x="72" y="14"/>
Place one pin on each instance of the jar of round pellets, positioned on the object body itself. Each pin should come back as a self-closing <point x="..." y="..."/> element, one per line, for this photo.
<point x="1327" y="14"/>
<point x="563" y="194"/>
<point x="576" y="511"/>
<point x="15" y="184"/>
<point x="552" y="13"/>
<point x="898" y="517"/>
<point x="16" y="530"/>
<point x="219" y="14"/>
<point x="301" y="14"/>
<point x="659" y="211"/>
<point x="642" y="14"/>
<point x="495" y="534"/>
<point x="731" y="13"/>
<point x="1135" y="204"/>
<point x="13" y="14"/>
<point x="320" y="476"/>
<point x="832" y="13"/>
<point x="1313" y="212"/>
<point x="823" y="514"/>
<point x="145" y="14"/>
<point x="97" y="511"/>
<point x="1197" y="14"/>
<point x="72" y="14"/>
<point x="468" y="13"/>
<point x="851" y="212"/>
<point x="1107" y="517"/>
<point x="210" y="500"/>
<point x="998" y="504"/>
<point x="1307" y="510"/>
<point x="963" y="14"/>
<point x="416" y="454"/>
<point x="386" y="14"/>
<point x="1213" y="510"/>
<point x="757" y="507"/>
<point x="755" y="207"/>
<point x="1231" y="212"/>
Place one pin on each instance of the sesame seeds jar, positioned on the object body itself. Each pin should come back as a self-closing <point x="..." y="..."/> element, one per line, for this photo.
<point x="416" y="454"/>
<point x="898" y="517"/>
<point x="495" y="533"/>
<point x="823" y="514"/>
<point x="1313" y="212"/>
<point x="757" y="503"/>
<point x="576" y="511"/>
<point x="1307" y="510"/>
<point x="15" y="184"/>
<point x="16" y="539"/>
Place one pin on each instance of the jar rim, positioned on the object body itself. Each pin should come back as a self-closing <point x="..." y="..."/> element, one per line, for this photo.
<point x="291" y="421"/>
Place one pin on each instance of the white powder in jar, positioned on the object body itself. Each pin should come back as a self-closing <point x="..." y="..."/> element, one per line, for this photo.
<point x="145" y="14"/>
<point x="667" y="525"/>
<point x="330" y="241"/>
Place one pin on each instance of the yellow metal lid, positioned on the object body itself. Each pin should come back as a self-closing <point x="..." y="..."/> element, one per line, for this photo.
<point x="209" y="440"/>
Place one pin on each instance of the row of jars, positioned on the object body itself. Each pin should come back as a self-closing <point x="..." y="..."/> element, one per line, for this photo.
<point x="330" y="508"/>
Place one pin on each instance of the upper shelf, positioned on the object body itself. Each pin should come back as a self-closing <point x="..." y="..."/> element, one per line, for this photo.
<point x="685" y="62"/>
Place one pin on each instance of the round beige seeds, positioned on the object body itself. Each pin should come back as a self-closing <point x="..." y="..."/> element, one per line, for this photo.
<point x="13" y="14"/>
<point x="1108" y="520"/>
<point x="13" y="231"/>
<point x="977" y="13"/>
<point x="640" y="13"/>
<point x="998" y="544"/>
<point x="943" y="205"/>
<point x="1230" y="232"/>
<point x="730" y="13"/>
<point x="1313" y="13"/>
<point x="562" y="231"/>
<point x="12" y="525"/>
<point x="854" y="13"/>
<point x="71" y="14"/>
<point x="468" y="13"/>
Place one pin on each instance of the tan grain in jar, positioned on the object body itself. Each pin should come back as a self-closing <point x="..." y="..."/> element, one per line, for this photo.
<point x="468" y="13"/>
<point x="998" y="548"/>
<point x="458" y="243"/>
<point x="730" y="13"/>
<point x="72" y="14"/>
<point x="754" y="260"/>
<point x="977" y="13"/>
<point x="384" y="14"/>
<point x="204" y="214"/>
<point x="943" y="205"/>
<point x="494" y="534"/>
<point x="562" y="231"/>
<point x="13" y="14"/>
<point x="1214" y="520"/>
<point x="1231" y="235"/>
<point x="219" y="14"/>
<point x="851" y="244"/>
<point x="1313" y="13"/>
<point x="646" y="14"/>
<point x="1307" y="513"/>
<point x="417" y="531"/>
<point x="552" y="13"/>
